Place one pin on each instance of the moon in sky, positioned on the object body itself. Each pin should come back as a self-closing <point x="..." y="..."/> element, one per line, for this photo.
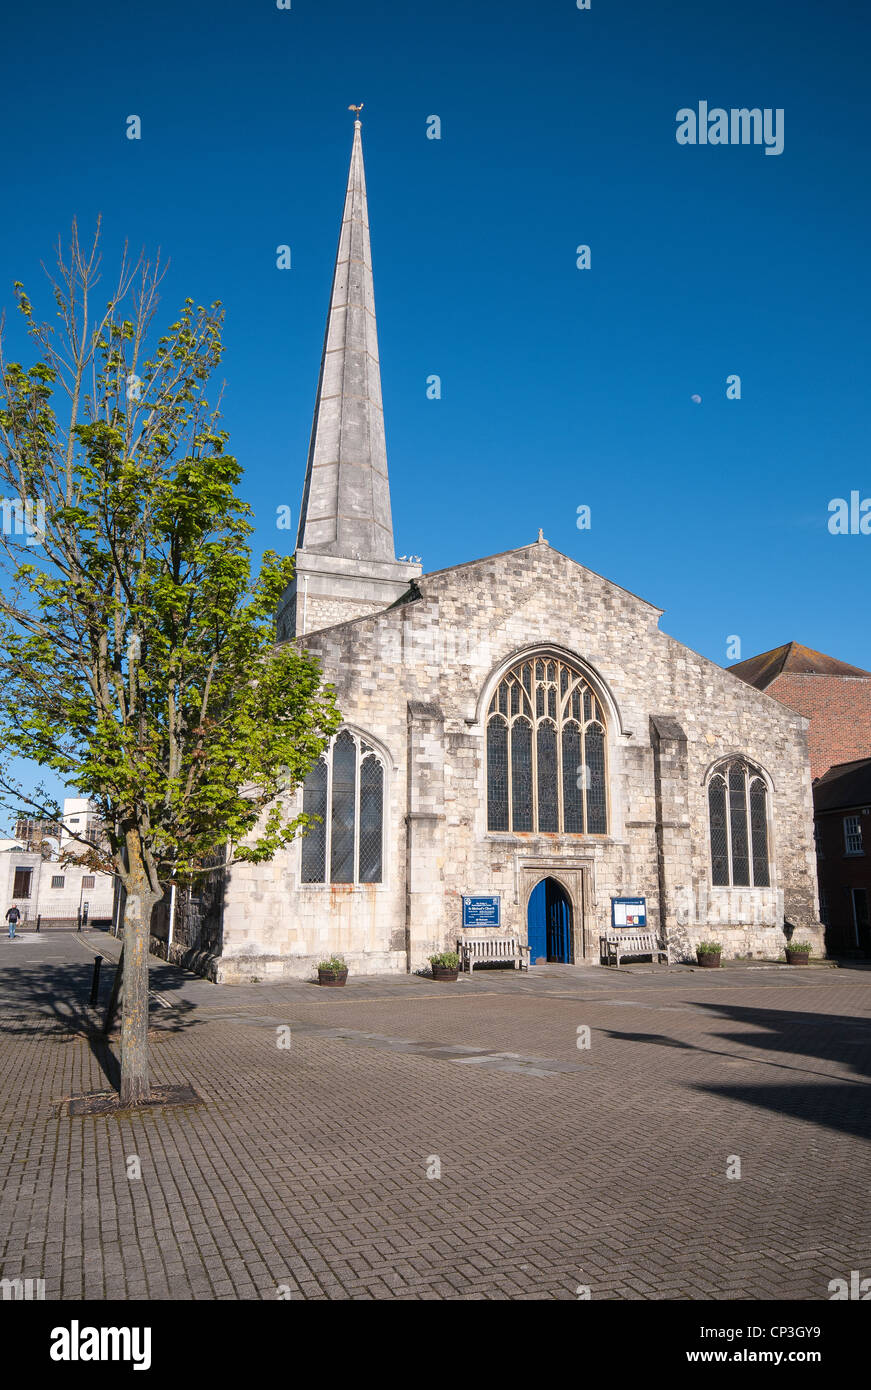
<point x="697" y="399"/>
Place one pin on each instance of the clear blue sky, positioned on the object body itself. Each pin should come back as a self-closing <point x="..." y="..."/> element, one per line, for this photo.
<point x="560" y="387"/>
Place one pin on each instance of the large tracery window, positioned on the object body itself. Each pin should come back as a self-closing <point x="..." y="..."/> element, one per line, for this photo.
<point x="546" y="752"/>
<point x="345" y="788"/>
<point x="738" y="812"/>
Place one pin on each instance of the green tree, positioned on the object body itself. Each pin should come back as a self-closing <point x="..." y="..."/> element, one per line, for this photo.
<point x="138" y="658"/>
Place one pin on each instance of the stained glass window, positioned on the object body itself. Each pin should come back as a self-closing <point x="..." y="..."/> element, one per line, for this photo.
<point x="738" y="825"/>
<point x="573" y="780"/>
<point x="759" y="833"/>
<point x="371" y="821"/>
<point x="521" y="775"/>
<point x="344" y="779"/>
<point x="594" y="747"/>
<point x="345" y="789"/>
<point x="719" y="834"/>
<point x="497" y="774"/>
<point x="546" y="762"/>
<point x="314" y="843"/>
<point x="548" y="801"/>
<point x="738" y="816"/>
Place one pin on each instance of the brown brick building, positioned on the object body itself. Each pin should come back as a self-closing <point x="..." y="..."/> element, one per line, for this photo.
<point x="842" y="811"/>
<point x="836" y="698"/>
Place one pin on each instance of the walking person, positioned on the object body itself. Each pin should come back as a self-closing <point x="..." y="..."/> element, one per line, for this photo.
<point x="13" y="917"/>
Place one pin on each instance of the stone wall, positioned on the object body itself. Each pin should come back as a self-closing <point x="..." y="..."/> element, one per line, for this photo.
<point x="416" y="680"/>
<point x="328" y="589"/>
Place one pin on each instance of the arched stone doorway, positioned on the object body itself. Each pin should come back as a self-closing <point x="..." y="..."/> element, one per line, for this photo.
<point x="549" y="923"/>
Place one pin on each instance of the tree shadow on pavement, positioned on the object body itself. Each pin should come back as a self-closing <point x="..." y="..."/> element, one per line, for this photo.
<point x="53" y="996"/>
<point x="787" y="1042"/>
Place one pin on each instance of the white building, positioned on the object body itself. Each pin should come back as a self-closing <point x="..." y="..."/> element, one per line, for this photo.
<point x="40" y="886"/>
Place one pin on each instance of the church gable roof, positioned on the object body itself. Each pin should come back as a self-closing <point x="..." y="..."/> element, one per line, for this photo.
<point x="437" y="584"/>
<point x="539" y="551"/>
<point x="792" y="658"/>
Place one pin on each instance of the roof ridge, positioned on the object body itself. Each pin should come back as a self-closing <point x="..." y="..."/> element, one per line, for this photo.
<point x="792" y="658"/>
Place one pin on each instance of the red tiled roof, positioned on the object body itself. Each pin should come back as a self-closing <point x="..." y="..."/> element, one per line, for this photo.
<point x="794" y="658"/>
<point x="844" y="785"/>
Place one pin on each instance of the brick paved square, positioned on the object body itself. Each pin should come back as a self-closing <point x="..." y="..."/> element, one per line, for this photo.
<point x="560" y="1167"/>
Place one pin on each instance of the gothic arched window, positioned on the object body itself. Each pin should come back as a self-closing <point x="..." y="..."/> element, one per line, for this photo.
<point x="546" y="752"/>
<point x="738" y="814"/>
<point x="345" y="789"/>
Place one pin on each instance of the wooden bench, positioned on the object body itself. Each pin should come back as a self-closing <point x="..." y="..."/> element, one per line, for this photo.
<point x="630" y="943"/>
<point x="475" y="951"/>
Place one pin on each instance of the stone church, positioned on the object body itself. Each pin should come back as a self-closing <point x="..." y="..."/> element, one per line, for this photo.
<point x="523" y="749"/>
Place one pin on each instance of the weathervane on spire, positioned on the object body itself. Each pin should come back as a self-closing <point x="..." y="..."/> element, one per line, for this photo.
<point x="356" y="110"/>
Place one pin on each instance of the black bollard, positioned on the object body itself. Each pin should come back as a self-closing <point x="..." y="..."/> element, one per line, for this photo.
<point x="95" y="983"/>
<point x="38" y="920"/>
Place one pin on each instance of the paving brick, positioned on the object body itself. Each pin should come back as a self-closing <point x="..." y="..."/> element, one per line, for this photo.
<point x="313" y="1173"/>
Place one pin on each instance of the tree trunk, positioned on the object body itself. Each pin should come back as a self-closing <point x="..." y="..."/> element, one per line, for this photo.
<point x="141" y="899"/>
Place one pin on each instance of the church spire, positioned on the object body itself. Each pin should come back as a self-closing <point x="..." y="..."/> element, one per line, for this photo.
<point x="346" y="499"/>
<point x="345" y="566"/>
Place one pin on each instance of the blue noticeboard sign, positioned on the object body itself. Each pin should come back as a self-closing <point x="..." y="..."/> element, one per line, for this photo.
<point x="629" y="912"/>
<point x="481" y="912"/>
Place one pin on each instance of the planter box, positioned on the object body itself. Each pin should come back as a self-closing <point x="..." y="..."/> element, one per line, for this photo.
<point x="443" y="972"/>
<point x="332" y="978"/>
<point x="708" y="962"/>
<point x="797" y="957"/>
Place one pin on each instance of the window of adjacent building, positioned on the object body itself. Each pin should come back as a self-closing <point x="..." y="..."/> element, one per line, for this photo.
<point x="345" y="789"/>
<point x="57" y="880"/>
<point x="546" y="752"/>
<point x="21" y="885"/>
<point x="852" y="835"/>
<point x="738" y="814"/>
<point x="88" y="881"/>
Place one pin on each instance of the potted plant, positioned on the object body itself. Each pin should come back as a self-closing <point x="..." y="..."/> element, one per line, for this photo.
<point x="798" y="952"/>
<point x="332" y="972"/>
<point x="708" y="954"/>
<point x="445" y="966"/>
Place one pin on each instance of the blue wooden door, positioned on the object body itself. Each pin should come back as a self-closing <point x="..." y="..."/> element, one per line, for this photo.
<point x="536" y="918"/>
<point x="549" y="923"/>
<point x="559" y="925"/>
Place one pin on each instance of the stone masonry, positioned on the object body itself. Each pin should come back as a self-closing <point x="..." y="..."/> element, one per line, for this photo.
<point x="416" y="680"/>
